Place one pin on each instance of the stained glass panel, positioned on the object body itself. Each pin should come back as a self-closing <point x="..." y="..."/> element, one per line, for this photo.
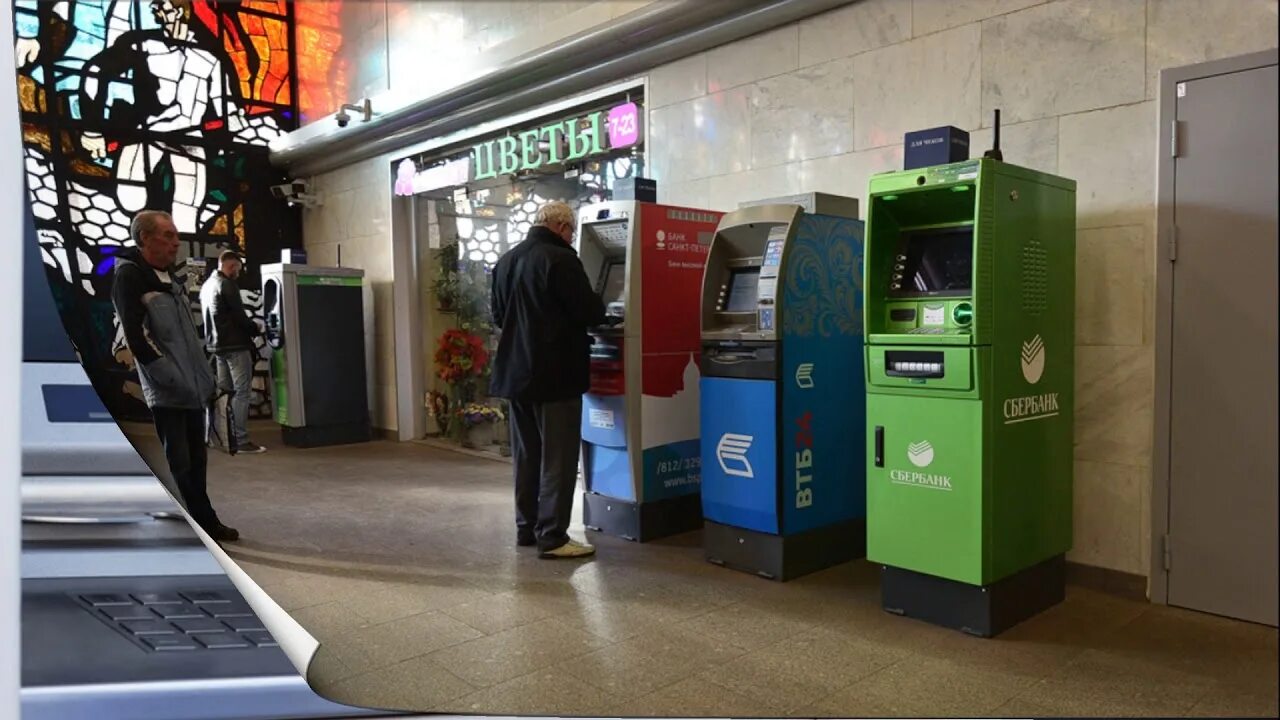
<point x="214" y="74"/>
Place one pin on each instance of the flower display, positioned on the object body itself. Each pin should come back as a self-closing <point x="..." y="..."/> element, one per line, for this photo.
<point x="460" y="356"/>
<point x="473" y="414"/>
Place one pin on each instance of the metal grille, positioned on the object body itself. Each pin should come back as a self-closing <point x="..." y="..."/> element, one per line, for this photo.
<point x="1035" y="277"/>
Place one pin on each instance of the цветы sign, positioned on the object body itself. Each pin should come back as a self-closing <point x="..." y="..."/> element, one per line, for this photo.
<point x="560" y="142"/>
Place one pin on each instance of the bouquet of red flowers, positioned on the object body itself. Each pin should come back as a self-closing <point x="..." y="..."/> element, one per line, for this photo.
<point x="460" y="356"/>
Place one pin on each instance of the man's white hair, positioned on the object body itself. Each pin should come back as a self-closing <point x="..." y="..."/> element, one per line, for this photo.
<point x="145" y="223"/>
<point x="554" y="213"/>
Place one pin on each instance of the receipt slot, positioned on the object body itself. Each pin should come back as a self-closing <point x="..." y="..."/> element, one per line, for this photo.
<point x="640" y="446"/>
<point x="314" y="320"/>
<point x="970" y="283"/>
<point x="782" y="396"/>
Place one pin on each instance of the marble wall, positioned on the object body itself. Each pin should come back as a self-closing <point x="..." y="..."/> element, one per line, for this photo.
<point x="822" y="104"/>
<point x="396" y="51"/>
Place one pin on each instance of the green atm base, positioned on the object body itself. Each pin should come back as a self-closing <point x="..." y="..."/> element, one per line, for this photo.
<point x="313" y="436"/>
<point x="641" y="522"/>
<point x="784" y="557"/>
<point x="976" y="610"/>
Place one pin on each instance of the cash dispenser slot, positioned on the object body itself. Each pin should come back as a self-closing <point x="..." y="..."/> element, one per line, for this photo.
<point x="943" y="368"/>
<point x="746" y="361"/>
<point x="915" y="364"/>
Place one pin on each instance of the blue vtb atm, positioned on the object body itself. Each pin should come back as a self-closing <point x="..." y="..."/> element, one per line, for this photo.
<point x="782" y="400"/>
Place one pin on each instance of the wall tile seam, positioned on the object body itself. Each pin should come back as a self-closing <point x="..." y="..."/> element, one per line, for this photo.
<point x="1120" y="226"/>
<point x="741" y="172"/>
<point x="793" y="25"/>
<point x="980" y="21"/>
<point x="1146" y="50"/>
<point x="1074" y="113"/>
<point x="1135" y="466"/>
<point x="797" y="69"/>
<point x="1117" y="346"/>
<point x="797" y="161"/>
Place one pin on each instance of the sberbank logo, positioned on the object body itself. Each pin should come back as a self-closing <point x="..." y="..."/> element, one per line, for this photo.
<point x="1033" y="360"/>
<point x="920" y="454"/>
<point x="1031" y="407"/>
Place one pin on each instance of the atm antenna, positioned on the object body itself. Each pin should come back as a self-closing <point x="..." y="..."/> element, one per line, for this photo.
<point x="994" y="153"/>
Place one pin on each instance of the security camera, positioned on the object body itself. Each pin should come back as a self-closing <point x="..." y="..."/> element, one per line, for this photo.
<point x="365" y="108"/>
<point x="295" y="192"/>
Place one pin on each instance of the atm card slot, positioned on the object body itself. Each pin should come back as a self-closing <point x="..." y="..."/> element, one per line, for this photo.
<point x="914" y="364"/>
<point x="749" y="362"/>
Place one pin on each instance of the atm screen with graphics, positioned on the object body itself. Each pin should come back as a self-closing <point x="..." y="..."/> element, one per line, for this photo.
<point x="613" y="284"/>
<point x="743" y="283"/>
<point x="933" y="263"/>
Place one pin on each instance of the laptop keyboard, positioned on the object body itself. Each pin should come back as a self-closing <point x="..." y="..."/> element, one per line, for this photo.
<point x="187" y="620"/>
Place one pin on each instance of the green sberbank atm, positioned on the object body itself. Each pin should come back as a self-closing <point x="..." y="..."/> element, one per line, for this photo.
<point x="970" y="297"/>
<point x="316" y="331"/>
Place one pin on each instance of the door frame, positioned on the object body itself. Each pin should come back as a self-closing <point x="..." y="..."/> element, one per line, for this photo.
<point x="1160" y="470"/>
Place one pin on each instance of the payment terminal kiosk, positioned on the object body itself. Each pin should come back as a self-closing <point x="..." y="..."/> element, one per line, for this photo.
<point x="125" y="613"/>
<point x="316" y="332"/>
<point x="970" y="283"/>
<point x="640" y="447"/>
<point x="782" y="485"/>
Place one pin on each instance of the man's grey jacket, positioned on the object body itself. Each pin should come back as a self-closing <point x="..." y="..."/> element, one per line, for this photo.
<point x="161" y="334"/>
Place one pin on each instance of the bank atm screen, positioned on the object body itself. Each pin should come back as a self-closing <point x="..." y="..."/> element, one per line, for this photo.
<point x="933" y="263"/>
<point x="613" y="283"/>
<point x="743" y="283"/>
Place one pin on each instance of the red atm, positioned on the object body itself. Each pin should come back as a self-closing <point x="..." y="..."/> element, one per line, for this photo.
<point x="641" y="456"/>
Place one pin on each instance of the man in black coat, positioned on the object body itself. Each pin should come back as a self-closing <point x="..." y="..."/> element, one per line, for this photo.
<point x="543" y="303"/>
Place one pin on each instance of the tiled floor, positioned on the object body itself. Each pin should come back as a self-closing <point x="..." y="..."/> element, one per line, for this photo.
<point x="401" y="560"/>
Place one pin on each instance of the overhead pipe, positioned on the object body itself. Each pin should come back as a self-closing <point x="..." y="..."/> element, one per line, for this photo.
<point x="652" y="37"/>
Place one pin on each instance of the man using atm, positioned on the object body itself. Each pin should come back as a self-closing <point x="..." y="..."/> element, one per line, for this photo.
<point x="543" y="303"/>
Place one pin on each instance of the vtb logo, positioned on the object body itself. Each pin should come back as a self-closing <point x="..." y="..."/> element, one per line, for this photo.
<point x="804" y="375"/>
<point x="920" y="454"/>
<point x="732" y="454"/>
<point x="1033" y="360"/>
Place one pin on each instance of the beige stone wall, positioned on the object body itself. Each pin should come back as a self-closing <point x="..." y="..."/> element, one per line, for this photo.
<point x="823" y="103"/>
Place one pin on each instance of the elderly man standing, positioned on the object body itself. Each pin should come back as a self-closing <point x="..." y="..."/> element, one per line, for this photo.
<point x="544" y="304"/>
<point x="177" y="381"/>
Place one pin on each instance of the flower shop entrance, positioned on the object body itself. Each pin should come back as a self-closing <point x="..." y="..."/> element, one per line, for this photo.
<point x="464" y="210"/>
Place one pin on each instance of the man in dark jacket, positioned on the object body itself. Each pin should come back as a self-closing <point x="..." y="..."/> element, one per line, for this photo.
<point x="177" y="382"/>
<point x="229" y="334"/>
<point x="544" y="304"/>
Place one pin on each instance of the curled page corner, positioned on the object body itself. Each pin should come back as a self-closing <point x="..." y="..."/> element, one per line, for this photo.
<point x="298" y="644"/>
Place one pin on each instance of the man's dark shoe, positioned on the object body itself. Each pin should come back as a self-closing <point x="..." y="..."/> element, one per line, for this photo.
<point x="526" y="540"/>
<point x="222" y="533"/>
<point x="250" y="448"/>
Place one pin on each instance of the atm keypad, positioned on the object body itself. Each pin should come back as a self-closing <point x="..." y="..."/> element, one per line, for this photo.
<point x="132" y="612"/>
<point x="186" y="620"/>
<point x="162" y="643"/>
